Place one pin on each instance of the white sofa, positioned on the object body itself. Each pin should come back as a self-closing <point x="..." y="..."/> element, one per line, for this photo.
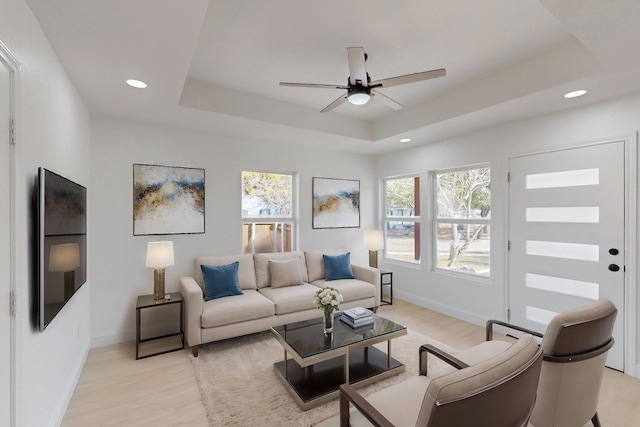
<point x="261" y="305"/>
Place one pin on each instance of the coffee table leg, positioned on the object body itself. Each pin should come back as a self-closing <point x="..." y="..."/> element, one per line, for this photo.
<point x="285" y="365"/>
<point x="389" y="354"/>
<point x="346" y="368"/>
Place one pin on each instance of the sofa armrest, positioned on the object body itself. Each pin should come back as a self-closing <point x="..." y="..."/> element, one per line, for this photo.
<point x="368" y="274"/>
<point x="193" y="300"/>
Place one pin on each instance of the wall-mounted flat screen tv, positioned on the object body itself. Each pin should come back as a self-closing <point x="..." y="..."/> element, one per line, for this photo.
<point x="62" y="243"/>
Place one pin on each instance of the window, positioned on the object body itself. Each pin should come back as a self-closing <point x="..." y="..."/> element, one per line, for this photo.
<point x="268" y="220"/>
<point x="462" y="220"/>
<point x="402" y="218"/>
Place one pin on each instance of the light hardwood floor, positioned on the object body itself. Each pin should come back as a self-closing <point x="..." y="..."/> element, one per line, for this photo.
<point x="117" y="390"/>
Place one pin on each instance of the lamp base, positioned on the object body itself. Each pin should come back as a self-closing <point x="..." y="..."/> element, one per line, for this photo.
<point x="373" y="259"/>
<point x="158" y="283"/>
<point x="69" y="283"/>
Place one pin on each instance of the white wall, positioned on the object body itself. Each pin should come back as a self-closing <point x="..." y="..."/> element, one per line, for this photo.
<point x="469" y="299"/>
<point x="52" y="131"/>
<point x="118" y="274"/>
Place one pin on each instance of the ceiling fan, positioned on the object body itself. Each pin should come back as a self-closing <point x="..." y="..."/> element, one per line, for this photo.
<point x="359" y="86"/>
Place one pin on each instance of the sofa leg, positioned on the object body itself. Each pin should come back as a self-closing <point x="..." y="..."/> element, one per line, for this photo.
<point x="194" y="350"/>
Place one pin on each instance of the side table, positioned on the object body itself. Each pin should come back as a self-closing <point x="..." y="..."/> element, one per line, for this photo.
<point x="386" y="279"/>
<point x="147" y="302"/>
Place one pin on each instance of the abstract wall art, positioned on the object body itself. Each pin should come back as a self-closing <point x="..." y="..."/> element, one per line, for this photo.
<point x="336" y="203"/>
<point x="167" y="200"/>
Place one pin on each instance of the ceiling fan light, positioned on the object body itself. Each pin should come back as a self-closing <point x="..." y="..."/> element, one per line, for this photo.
<point x="359" y="98"/>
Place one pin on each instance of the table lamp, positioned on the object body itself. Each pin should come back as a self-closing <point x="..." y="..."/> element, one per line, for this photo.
<point x="66" y="258"/>
<point x="159" y="256"/>
<point x="373" y="241"/>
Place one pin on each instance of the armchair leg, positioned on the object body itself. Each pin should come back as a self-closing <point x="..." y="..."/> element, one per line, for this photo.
<point x="344" y="411"/>
<point x="595" y="420"/>
<point x="194" y="350"/>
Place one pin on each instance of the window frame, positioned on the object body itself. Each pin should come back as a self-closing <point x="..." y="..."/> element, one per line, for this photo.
<point x="415" y="219"/>
<point x="273" y="219"/>
<point x="435" y="221"/>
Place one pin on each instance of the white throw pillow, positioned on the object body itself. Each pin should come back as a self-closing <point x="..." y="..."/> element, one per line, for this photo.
<point x="285" y="273"/>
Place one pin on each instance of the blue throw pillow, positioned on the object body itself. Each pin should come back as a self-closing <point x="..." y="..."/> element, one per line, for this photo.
<point x="220" y="281"/>
<point x="337" y="267"/>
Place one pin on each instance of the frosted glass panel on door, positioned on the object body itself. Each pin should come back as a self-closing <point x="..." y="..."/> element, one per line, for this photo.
<point x="573" y="178"/>
<point x="577" y="251"/>
<point x="586" y="214"/>
<point x="564" y="286"/>
<point x="540" y="315"/>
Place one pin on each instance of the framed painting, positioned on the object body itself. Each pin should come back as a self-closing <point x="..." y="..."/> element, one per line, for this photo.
<point x="336" y="203"/>
<point x="167" y="200"/>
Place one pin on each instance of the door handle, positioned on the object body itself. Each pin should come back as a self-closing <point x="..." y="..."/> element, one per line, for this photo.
<point x="614" y="267"/>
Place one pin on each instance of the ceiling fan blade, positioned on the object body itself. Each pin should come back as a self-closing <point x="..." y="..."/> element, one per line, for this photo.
<point x="339" y="101"/>
<point x="314" y="85"/>
<point x="386" y="100"/>
<point x="409" y="78"/>
<point x="357" y="67"/>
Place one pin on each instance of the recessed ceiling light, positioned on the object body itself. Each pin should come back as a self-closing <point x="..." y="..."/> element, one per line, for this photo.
<point x="405" y="140"/>
<point x="575" y="93"/>
<point x="138" y="84"/>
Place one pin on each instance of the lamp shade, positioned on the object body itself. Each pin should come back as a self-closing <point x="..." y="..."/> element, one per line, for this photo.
<point x="159" y="254"/>
<point x="373" y="240"/>
<point x="64" y="257"/>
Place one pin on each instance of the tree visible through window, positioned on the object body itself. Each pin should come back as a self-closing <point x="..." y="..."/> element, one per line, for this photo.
<point x="462" y="220"/>
<point x="267" y="212"/>
<point x="402" y="218"/>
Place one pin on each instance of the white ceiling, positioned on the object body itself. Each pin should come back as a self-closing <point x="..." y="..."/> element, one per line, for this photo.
<point x="215" y="65"/>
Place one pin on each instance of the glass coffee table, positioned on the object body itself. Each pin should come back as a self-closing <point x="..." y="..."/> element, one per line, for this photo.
<point x="319" y="363"/>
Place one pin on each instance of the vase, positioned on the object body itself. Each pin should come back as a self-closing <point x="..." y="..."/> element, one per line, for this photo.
<point x="327" y="322"/>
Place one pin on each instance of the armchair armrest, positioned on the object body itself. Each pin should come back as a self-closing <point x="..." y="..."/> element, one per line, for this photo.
<point x="193" y="301"/>
<point x="349" y="394"/>
<point x="442" y="355"/>
<point x="368" y="274"/>
<point x="490" y="324"/>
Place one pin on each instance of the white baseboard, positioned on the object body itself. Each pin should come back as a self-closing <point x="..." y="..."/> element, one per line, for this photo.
<point x="442" y="308"/>
<point x="130" y="335"/>
<point x="58" y="416"/>
<point x="117" y="338"/>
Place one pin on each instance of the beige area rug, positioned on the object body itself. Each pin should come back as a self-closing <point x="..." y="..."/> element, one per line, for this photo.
<point x="239" y="387"/>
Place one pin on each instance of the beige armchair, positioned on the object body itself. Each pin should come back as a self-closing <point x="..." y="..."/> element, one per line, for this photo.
<point x="497" y="391"/>
<point x="575" y="347"/>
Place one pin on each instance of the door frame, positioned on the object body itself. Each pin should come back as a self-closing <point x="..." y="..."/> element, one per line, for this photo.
<point x="8" y="60"/>
<point x="630" y="328"/>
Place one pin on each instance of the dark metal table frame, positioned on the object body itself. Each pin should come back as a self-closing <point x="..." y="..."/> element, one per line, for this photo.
<point x="146" y="302"/>
<point x="314" y="379"/>
<point x="389" y="283"/>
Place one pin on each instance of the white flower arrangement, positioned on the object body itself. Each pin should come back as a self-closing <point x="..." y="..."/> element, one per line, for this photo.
<point x="327" y="299"/>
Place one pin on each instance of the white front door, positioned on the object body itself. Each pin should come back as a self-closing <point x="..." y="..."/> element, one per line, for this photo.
<point x="566" y="235"/>
<point x="5" y="245"/>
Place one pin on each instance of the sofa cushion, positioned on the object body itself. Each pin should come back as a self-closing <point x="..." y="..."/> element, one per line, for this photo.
<point x="285" y="273"/>
<point x="350" y="289"/>
<point x="337" y="267"/>
<point x="261" y="261"/>
<point x="292" y="298"/>
<point x="246" y="272"/>
<point x="220" y="281"/>
<point x="235" y="309"/>
<point x="315" y="262"/>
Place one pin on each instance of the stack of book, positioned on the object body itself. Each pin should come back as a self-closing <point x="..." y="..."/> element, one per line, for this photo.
<point x="357" y="317"/>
